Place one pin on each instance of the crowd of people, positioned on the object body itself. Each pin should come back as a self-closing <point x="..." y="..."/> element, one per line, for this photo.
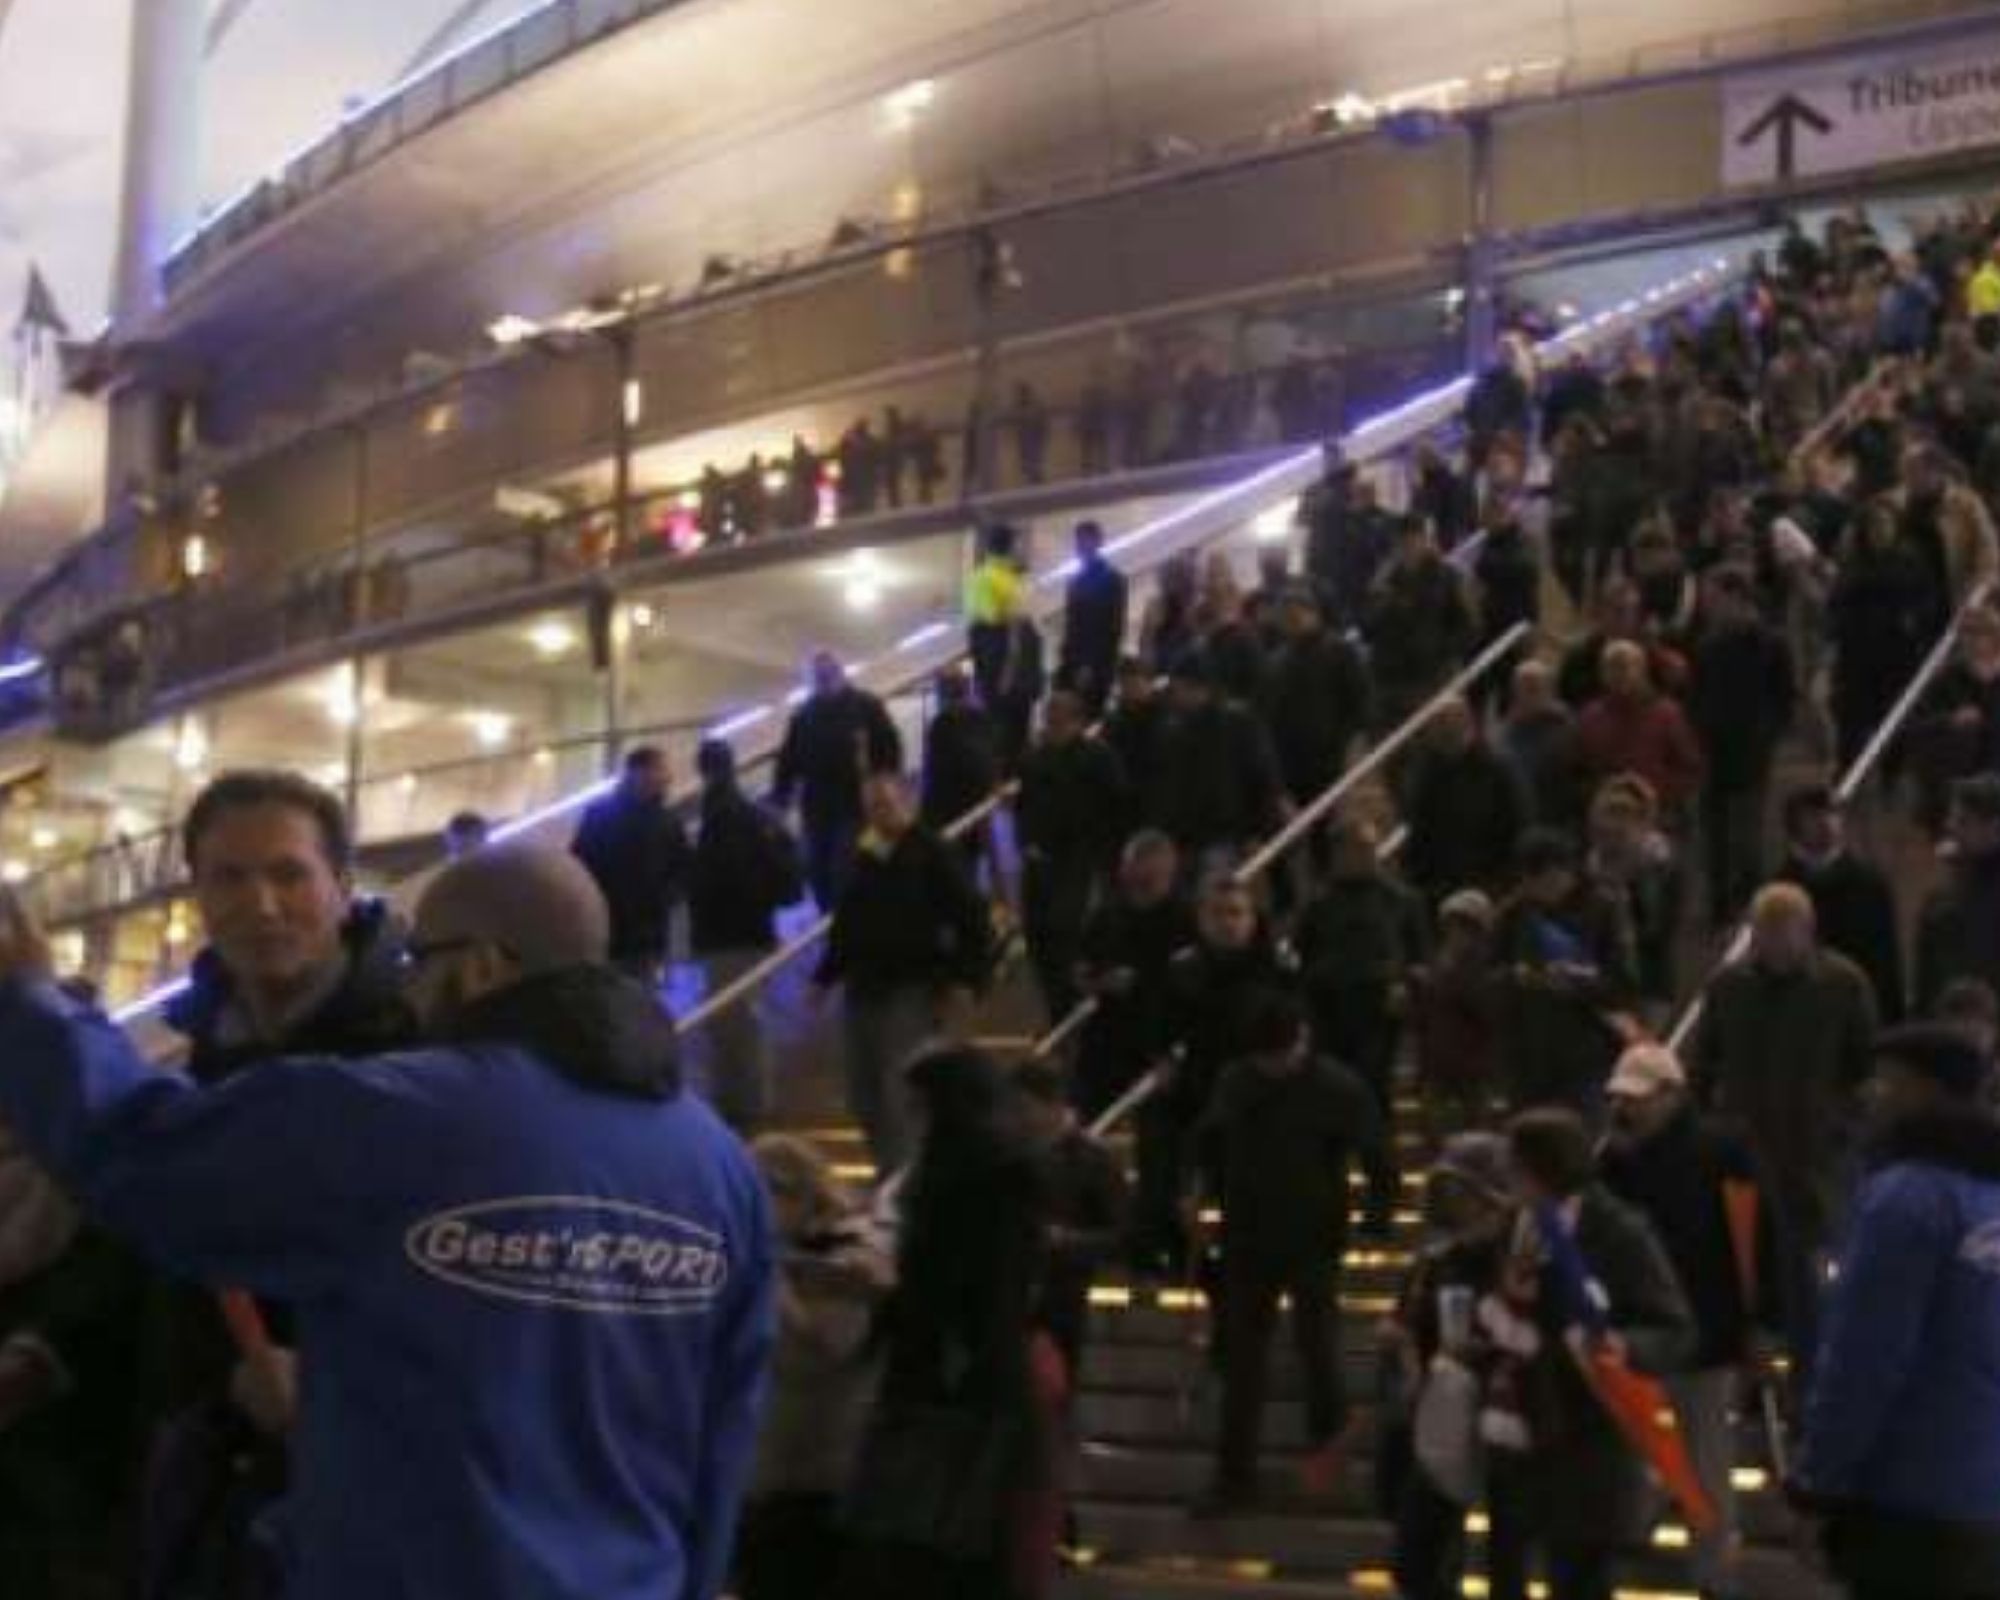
<point x="519" y="1297"/>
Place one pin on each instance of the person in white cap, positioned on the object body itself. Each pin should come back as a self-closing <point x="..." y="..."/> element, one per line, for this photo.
<point x="1696" y="1186"/>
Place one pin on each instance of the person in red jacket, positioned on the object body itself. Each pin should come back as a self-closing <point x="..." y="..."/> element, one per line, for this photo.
<point x="1633" y="728"/>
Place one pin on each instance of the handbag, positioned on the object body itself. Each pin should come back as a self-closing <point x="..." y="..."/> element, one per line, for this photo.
<point x="1446" y="1430"/>
<point x="934" y="1476"/>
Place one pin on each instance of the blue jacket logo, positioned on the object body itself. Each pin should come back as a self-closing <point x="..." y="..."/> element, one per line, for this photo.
<point x="1981" y="1249"/>
<point x="575" y="1253"/>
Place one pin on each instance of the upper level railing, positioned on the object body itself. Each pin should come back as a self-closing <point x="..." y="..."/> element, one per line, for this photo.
<point x="115" y="666"/>
<point x="1201" y="520"/>
<point x="554" y="31"/>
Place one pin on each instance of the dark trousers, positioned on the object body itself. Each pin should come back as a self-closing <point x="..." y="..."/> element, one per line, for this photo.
<point x="1732" y="829"/>
<point x="1055" y="900"/>
<point x="787" y="1547"/>
<point x="1355" y="1026"/>
<point x="1158" y="1241"/>
<point x="1575" y="1570"/>
<point x="1252" y="1281"/>
<point x="1799" y="1233"/>
<point x="1430" y="1541"/>
<point x="829" y="857"/>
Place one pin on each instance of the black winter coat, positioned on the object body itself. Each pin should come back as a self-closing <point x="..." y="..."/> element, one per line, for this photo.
<point x="1959" y="936"/>
<point x="1094" y="616"/>
<point x="831" y="741"/>
<point x="745" y="871"/>
<point x="1741" y="701"/>
<point x="1073" y="805"/>
<point x="1510" y="582"/>
<point x="1210" y="997"/>
<point x="1126" y="1032"/>
<point x="1219" y="780"/>
<point x="1856" y="911"/>
<point x="1277" y="1149"/>
<point x="1318" y="702"/>
<point x="910" y="919"/>
<point x="1420" y="627"/>
<point x="961" y="763"/>
<point x="1675" y="1180"/>
<point x="1466" y="812"/>
<point x="1567" y="970"/>
<point x="638" y="852"/>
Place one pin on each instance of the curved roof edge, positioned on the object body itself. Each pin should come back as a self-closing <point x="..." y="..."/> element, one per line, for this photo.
<point x="482" y="66"/>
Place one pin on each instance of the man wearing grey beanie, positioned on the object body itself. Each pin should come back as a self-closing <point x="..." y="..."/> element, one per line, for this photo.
<point x="531" y="1278"/>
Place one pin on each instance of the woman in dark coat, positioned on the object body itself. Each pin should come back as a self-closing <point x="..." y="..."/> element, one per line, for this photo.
<point x="1883" y="610"/>
<point x="959" y="1334"/>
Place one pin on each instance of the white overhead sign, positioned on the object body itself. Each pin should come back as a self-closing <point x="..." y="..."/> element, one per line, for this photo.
<point x="1850" y="112"/>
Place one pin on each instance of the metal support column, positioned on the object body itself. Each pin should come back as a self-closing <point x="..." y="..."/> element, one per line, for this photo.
<point x="157" y="205"/>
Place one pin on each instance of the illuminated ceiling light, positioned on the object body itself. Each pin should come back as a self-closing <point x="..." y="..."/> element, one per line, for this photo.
<point x="545" y="757"/>
<point x="690" y="500"/>
<point x="551" y="639"/>
<point x="863" y="578"/>
<point x="635" y="402"/>
<point x="1351" y="107"/>
<point x="906" y="104"/>
<point x="490" y="728"/>
<point x="44" y="839"/>
<point x="14" y="871"/>
<point x="128" y="822"/>
<point x="775" y="480"/>
<point x="907" y="203"/>
<point x="407" y="783"/>
<point x="438" y="420"/>
<point x="342" y="696"/>
<point x="643" y="615"/>
<point x="1273" y="525"/>
<point x="512" y="330"/>
<point x="190" y="746"/>
<point x="331" y="776"/>
<point x="194" y="556"/>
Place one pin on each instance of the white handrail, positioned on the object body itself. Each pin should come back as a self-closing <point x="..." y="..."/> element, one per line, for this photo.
<point x="1858" y="773"/>
<point x="1286" y="837"/>
<point x="1207" y="517"/>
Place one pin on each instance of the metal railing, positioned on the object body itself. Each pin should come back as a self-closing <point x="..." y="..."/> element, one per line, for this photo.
<point x="1850" y="406"/>
<point x="919" y="656"/>
<point x="1849" y="785"/>
<point x="555" y="30"/>
<point x="1293" y="833"/>
<point x="1380" y="438"/>
<point x="399" y="580"/>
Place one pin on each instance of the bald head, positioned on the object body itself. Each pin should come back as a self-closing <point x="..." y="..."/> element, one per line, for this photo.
<point x="1783" y="929"/>
<point x="536" y="905"/>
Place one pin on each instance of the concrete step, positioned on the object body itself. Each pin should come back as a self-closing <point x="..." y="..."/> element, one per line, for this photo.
<point x="1175" y="1475"/>
<point x="1344" y="1550"/>
<point x="1167" y="1369"/>
<point x="1176" y="1318"/>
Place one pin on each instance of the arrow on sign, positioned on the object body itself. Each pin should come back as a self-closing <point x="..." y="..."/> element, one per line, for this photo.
<point x="1786" y="115"/>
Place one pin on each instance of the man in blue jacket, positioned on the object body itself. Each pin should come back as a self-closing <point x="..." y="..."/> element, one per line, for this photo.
<point x="1902" y="1440"/>
<point x="532" y="1279"/>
